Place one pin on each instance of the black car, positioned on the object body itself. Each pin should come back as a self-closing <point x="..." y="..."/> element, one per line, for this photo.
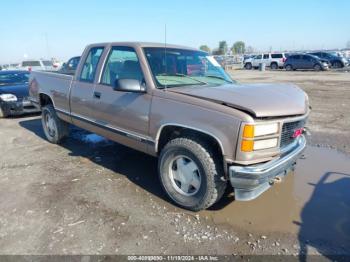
<point x="304" y="62"/>
<point x="70" y="67"/>
<point x="334" y="60"/>
<point x="14" y="92"/>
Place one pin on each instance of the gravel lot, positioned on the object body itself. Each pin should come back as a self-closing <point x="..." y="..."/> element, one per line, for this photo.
<point x="92" y="196"/>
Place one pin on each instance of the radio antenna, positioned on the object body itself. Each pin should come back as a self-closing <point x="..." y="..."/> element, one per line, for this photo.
<point x="165" y="57"/>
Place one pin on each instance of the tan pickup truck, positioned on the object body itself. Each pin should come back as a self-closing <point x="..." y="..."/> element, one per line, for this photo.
<point x="178" y="104"/>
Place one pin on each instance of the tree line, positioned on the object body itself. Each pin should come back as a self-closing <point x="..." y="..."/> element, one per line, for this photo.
<point x="239" y="47"/>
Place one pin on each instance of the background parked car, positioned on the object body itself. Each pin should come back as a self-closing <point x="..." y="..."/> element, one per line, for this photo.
<point x="14" y="93"/>
<point x="272" y="60"/>
<point x="10" y="66"/>
<point x="334" y="60"/>
<point x="70" y="66"/>
<point x="304" y="61"/>
<point x="34" y="65"/>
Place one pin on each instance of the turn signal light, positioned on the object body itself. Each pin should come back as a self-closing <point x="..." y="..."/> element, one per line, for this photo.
<point x="247" y="145"/>
<point x="248" y="131"/>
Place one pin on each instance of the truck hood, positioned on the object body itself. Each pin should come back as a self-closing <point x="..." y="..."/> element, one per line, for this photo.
<point x="260" y="100"/>
<point x="19" y="90"/>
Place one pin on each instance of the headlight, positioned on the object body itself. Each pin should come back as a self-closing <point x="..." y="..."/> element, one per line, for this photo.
<point x="251" y="132"/>
<point x="8" y="98"/>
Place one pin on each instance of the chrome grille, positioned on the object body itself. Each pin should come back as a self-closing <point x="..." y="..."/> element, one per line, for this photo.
<point x="288" y="131"/>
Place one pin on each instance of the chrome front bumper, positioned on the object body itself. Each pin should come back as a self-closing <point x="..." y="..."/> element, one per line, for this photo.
<point x="251" y="181"/>
<point x="19" y="107"/>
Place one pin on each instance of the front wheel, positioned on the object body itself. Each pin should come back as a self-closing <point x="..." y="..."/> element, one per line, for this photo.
<point x="54" y="128"/>
<point x="317" y="67"/>
<point x="289" y="67"/>
<point x="248" y="66"/>
<point x="191" y="173"/>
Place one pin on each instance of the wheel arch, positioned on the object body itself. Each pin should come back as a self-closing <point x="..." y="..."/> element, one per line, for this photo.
<point x="45" y="99"/>
<point x="169" y="131"/>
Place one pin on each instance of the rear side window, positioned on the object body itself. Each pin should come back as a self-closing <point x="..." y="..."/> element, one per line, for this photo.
<point x="89" y="69"/>
<point x="295" y="57"/>
<point x="122" y="63"/>
<point x="266" y="56"/>
<point x="276" y="56"/>
<point x="31" y="63"/>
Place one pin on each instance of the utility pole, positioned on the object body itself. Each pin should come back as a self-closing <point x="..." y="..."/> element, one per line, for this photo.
<point x="47" y="46"/>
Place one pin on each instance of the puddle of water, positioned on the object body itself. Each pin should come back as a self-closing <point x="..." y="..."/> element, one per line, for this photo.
<point x="89" y="138"/>
<point x="93" y="138"/>
<point x="314" y="201"/>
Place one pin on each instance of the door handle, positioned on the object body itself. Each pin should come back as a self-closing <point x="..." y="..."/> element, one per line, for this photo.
<point x="97" y="95"/>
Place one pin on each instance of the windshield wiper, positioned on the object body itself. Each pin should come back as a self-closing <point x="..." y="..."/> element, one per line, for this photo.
<point x="186" y="76"/>
<point x="221" y="78"/>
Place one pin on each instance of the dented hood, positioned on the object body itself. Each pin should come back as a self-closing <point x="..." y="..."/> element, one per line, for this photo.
<point x="260" y="100"/>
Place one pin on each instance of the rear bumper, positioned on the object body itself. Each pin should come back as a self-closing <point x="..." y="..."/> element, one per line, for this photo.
<point x="251" y="181"/>
<point x="19" y="107"/>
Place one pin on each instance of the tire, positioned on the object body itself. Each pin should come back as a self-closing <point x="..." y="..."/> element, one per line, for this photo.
<point x="54" y="128"/>
<point x="210" y="185"/>
<point x="3" y="114"/>
<point x="317" y="67"/>
<point x="274" y="66"/>
<point x="248" y="66"/>
<point x="289" y="67"/>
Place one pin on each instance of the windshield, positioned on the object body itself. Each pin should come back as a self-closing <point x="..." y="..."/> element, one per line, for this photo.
<point x="178" y="67"/>
<point x="13" y="78"/>
<point x="47" y="63"/>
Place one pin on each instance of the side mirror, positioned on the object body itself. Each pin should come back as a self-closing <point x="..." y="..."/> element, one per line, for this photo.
<point x="129" y="85"/>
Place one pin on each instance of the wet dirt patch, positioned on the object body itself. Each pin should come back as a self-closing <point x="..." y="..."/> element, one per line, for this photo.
<point x="313" y="202"/>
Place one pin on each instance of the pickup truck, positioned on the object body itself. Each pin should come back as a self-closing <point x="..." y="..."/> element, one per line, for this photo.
<point x="176" y="103"/>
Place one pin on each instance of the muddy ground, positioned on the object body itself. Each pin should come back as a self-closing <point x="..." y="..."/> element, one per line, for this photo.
<point x="92" y="196"/>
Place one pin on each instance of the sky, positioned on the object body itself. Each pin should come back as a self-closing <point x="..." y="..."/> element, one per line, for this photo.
<point x="61" y="29"/>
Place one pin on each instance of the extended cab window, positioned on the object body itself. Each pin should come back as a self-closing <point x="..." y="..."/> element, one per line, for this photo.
<point x="122" y="63"/>
<point x="90" y="65"/>
<point x="266" y="56"/>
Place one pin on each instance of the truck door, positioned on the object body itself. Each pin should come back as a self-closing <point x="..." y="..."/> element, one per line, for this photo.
<point x="266" y="59"/>
<point x="125" y="115"/>
<point x="257" y="60"/>
<point x="82" y="91"/>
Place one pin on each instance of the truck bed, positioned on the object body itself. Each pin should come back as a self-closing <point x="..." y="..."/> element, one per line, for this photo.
<point x="53" y="84"/>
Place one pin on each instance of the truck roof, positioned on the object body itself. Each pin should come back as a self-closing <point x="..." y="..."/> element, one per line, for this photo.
<point x="143" y="44"/>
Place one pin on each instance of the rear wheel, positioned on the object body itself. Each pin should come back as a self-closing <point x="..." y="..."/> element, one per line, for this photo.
<point x="274" y="66"/>
<point x="317" y="67"/>
<point x="191" y="173"/>
<point x="54" y="128"/>
<point x="289" y="67"/>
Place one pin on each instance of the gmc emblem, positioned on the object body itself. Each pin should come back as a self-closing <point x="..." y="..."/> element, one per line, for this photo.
<point x="298" y="132"/>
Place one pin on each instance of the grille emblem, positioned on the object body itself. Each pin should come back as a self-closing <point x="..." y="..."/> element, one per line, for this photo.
<point x="298" y="132"/>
